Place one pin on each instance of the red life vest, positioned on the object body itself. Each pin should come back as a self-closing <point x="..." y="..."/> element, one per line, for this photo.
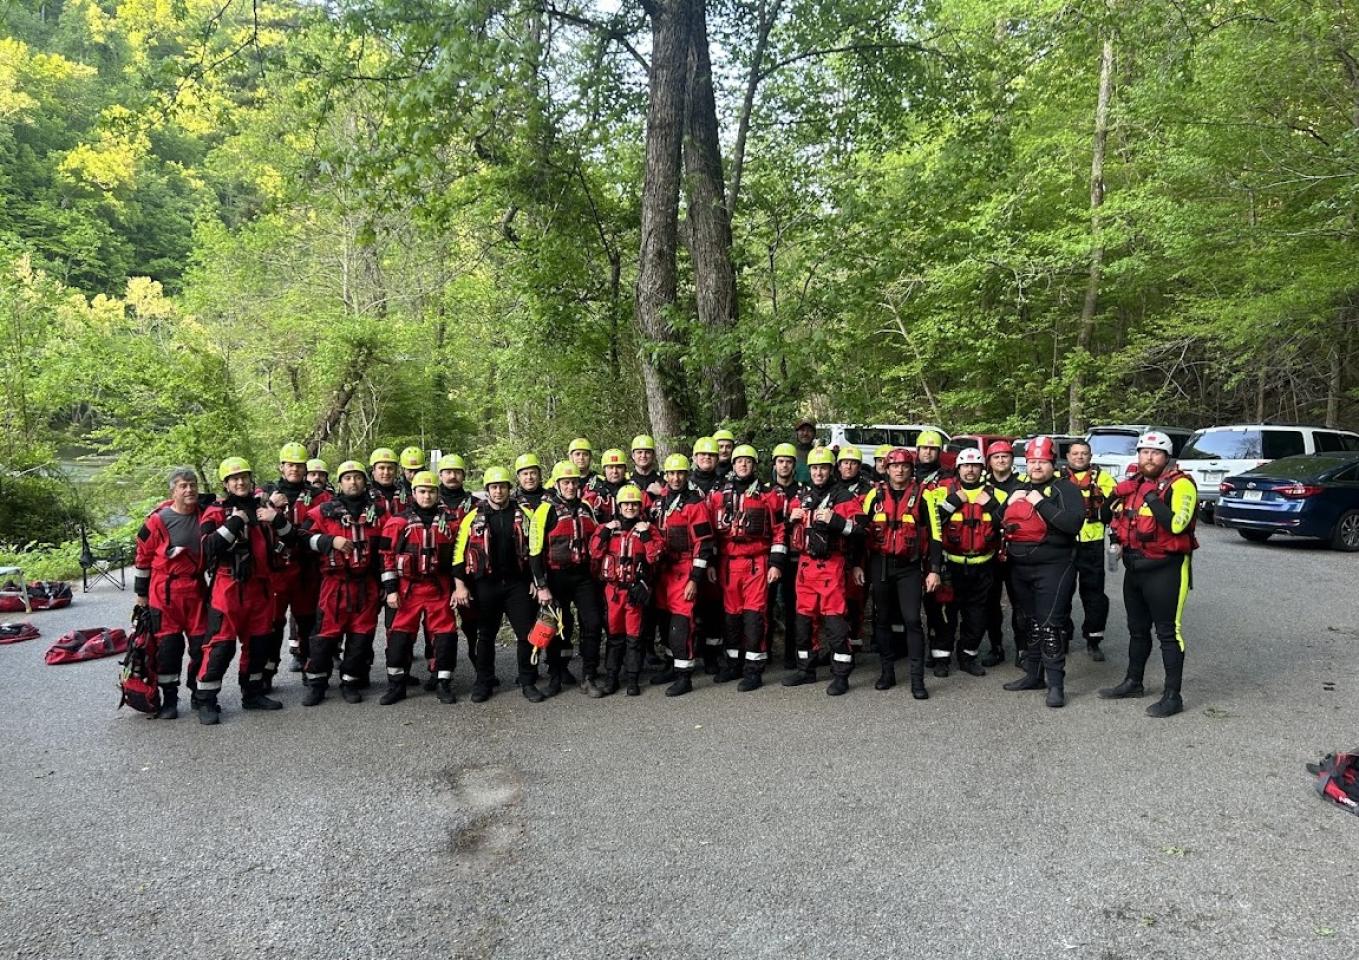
<point x="421" y="551"/>
<point x="1142" y="532"/>
<point x="627" y="558"/>
<point x="477" y="557"/>
<point x="1090" y="491"/>
<point x="567" y="544"/>
<point x="363" y="531"/>
<point x="1023" y="523"/>
<point x="685" y="524"/>
<point x="970" y="530"/>
<point x="894" y="527"/>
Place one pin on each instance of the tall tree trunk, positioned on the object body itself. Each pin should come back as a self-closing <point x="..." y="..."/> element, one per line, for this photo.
<point x="710" y="224"/>
<point x="1086" y="331"/>
<point x="768" y="16"/>
<point x="656" y="271"/>
<point x="1335" y="385"/>
<point x="329" y="421"/>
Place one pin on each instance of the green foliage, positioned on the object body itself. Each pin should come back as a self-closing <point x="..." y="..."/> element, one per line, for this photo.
<point x="224" y="226"/>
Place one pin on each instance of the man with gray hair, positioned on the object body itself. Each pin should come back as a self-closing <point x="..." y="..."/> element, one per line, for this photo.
<point x="169" y="580"/>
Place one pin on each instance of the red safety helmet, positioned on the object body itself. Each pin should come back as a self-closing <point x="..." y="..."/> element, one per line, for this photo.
<point x="1000" y="446"/>
<point x="1041" y="449"/>
<point x="899" y="455"/>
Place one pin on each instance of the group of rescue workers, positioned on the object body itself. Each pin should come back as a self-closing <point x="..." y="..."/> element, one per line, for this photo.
<point x="699" y="553"/>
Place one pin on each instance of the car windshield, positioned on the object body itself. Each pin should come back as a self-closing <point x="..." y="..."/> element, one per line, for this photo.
<point x="1300" y="468"/>
<point x="1113" y="444"/>
<point x="1224" y="445"/>
<point x="964" y="443"/>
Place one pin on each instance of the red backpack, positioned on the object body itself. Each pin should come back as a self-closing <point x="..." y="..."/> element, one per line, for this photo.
<point x="137" y="678"/>
<point x="1337" y="779"/>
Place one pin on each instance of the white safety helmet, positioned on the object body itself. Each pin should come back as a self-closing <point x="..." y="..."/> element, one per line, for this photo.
<point x="970" y="455"/>
<point x="1155" y="440"/>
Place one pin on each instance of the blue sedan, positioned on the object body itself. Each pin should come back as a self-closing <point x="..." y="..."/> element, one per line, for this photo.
<point x="1316" y="495"/>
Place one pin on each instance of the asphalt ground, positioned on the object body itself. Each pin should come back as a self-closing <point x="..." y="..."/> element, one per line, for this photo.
<point x="776" y="823"/>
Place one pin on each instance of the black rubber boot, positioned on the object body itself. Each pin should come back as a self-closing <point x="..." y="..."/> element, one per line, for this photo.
<point x="993" y="657"/>
<point x="267" y="681"/>
<point x="798" y="677"/>
<point x="481" y="690"/>
<point x="712" y="657"/>
<point x="1092" y="645"/>
<point x="1056" y="694"/>
<point x="941" y="669"/>
<point x="667" y="675"/>
<point x="731" y="670"/>
<point x="971" y="667"/>
<point x="1169" y="705"/>
<point x="316" y="692"/>
<point x="917" y="669"/>
<point x="349" y="692"/>
<point x="169" y="702"/>
<point x="610" y="685"/>
<point x="432" y="681"/>
<point x="838" y="686"/>
<point x="445" y="691"/>
<point x="887" y="676"/>
<point x="554" y="682"/>
<point x="531" y="693"/>
<point x="1033" y="670"/>
<point x="589" y="686"/>
<point x="634" y="689"/>
<point x="253" y="698"/>
<point x="410" y="681"/>
<point x="396" y="691"/>
<point x="209" y="713"/>
<point x="682" y="685"/>
<point x="1128" y="689"/>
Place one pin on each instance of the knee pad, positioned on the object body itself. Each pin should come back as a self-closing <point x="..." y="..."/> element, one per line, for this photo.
<point x="1051" y="642"/>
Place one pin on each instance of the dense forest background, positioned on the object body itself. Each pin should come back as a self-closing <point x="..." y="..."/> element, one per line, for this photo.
<point x="492" y="225"/>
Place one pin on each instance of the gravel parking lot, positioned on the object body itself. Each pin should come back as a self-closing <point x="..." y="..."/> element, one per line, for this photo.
<point x="777" y="823"/>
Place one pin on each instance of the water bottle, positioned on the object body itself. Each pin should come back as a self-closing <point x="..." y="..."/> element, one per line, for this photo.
<point x="1114" y="552"/>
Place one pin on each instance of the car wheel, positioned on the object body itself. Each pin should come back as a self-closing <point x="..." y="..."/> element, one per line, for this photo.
<point x="1256" y="536"/>
<point x="1345" y="536"/>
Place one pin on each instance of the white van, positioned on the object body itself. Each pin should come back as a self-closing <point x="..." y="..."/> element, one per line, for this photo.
<point x="869" y="437"/>
<point x="1215" y="453"/>
<point x="1114" y="448"/>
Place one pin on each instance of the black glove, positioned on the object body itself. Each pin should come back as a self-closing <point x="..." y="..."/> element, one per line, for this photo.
<point x="1151" y="498"/>
<point x="639" y="593"/>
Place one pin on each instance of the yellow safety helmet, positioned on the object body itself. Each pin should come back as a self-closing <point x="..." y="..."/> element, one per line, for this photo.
<point x="613" y="457"/>
<point x="350" y="466"/>
<point x="566" y="470"/>
<point x="724" y="434"/>
<point x="882" y="450"/>
<point x="527" y="461"/>
<point x="495" y="475"/>
<point x="821" y="456"/>
<point x="745" y="450"/>
<point x="705" y="445"/>
<point x="318" y="466"/>
<point x="232" y="466"/>
<point x="629" y="493"/>
<point x="292" y="453"/>
<point x="382" y="455"/>
<point x="785" y="450"/>
<point x="580" y="443"/>
<point x="451" y="461"/>
<point x="643" y="442"/>
<point x="412" y="458"/>
<point x="424" y="479"/>
<point x="676" y="461"/>
<point x="849" y="452"/>
<point x="929" y="438"/>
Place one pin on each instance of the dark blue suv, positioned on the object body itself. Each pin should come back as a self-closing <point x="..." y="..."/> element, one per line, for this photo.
<point x="1315" y="495"/>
